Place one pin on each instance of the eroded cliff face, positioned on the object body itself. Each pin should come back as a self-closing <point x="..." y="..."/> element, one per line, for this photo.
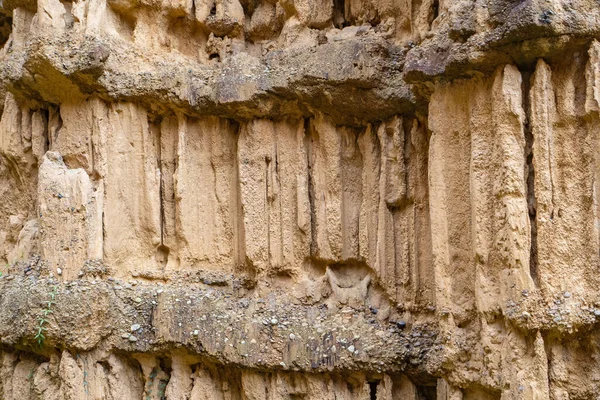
<point x="299" y="199"/>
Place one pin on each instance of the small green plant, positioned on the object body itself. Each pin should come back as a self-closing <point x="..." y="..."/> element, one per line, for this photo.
<point x="43" y="320"/>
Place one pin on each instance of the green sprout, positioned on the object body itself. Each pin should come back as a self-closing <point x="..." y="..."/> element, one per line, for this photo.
<point x="43" y="320"/>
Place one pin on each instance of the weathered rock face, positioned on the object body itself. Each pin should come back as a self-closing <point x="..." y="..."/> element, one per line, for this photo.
<point x="311" y="199"/>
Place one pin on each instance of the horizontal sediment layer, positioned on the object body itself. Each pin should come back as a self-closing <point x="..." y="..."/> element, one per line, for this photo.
<point x="354" y="75"/>
<point x="221" y="323"/>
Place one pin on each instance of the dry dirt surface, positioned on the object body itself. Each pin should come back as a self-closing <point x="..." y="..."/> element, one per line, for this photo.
<point x="299" y="199"/>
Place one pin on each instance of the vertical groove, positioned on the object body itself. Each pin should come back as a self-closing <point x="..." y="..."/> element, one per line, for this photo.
<point x="268" y="209"/>
<point x="161" y="184"/>
<point x="530" y="177"/>
<point x="311" y="187"/>
<point x="46" y="118"/>
<point x="339" y="14"/>
<point x="162" y="251"/>
<point x="239" y="213"/>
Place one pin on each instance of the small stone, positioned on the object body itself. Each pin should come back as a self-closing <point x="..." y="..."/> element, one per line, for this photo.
<point x="597" y="313"/>
<point x="274" y="321"/>
<point x="292" y="336"/>
<point x="567" y="294"/>
<point x="132" y="338"/>
<point x="135" y="327"/>
<point x="59" y="271"/>
<point x="525" y="314"/>
<point x="351" y="349"/>
<point x="125" y="336"/>
<point x="138" y="300"/>
<point x="196" y="332"/>
<point x="401" y="324"/>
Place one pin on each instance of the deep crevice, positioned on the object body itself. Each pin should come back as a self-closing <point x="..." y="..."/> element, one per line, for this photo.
<point x="339" y="14"/>
<point x="5" y="28"/>
<point x="311" y="185"/>
<point x="435" y="10"/>
<point x="55" y="124"/>
<point x="426" y="393"/>
<point x="46" y="117"/>
<point x="530" y="177"/>
<point x="164" y="364"/>
<point x="373" y="389"/>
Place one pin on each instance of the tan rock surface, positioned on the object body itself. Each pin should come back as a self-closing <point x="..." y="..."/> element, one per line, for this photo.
<point x="299" y="199"/>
